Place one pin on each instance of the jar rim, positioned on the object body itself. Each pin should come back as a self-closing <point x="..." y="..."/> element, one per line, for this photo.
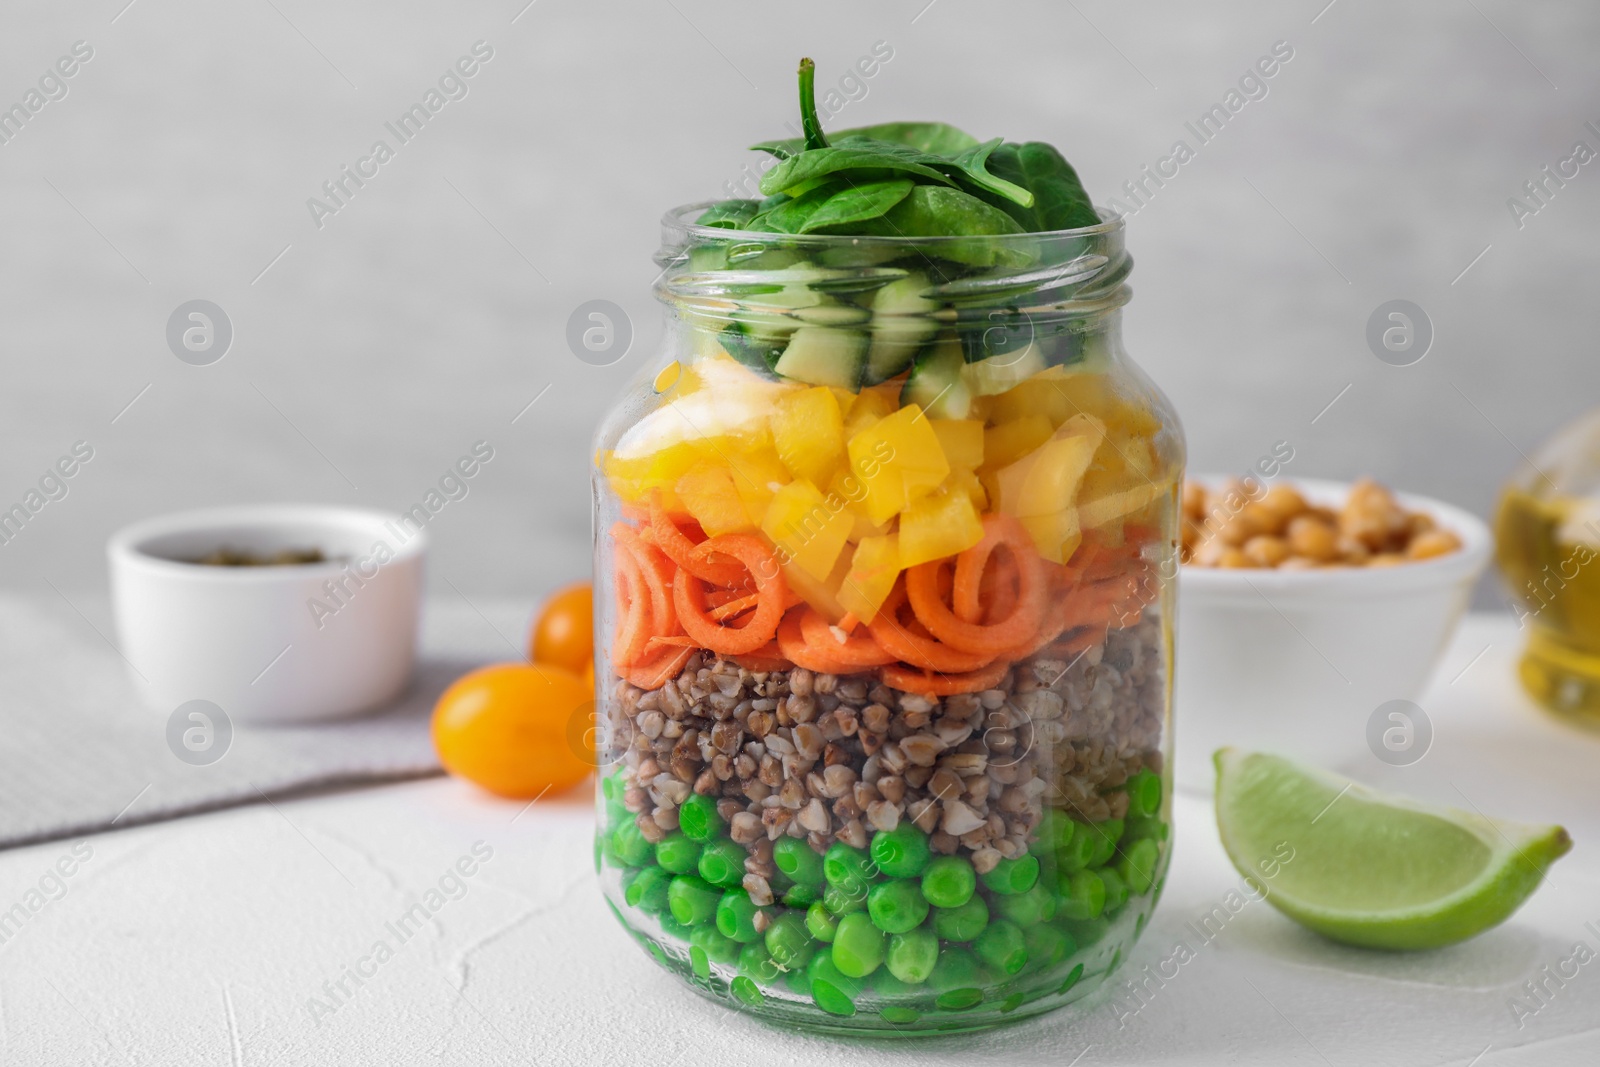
<point x="1111" y="222"/>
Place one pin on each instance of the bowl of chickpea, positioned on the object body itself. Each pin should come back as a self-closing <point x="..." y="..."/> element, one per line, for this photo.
<point x="1304" y="606"/>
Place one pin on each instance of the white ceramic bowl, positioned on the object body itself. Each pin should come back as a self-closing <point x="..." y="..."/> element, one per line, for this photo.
<point x="1296" y="662"/>
<point x="276" y="643"/>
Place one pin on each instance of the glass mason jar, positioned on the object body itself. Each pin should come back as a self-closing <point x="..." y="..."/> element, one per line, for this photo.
<point x="884" y="565"/>
<point x="1547" y="534"/>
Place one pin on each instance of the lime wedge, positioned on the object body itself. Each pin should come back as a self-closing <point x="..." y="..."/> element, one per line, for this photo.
<point x="1371" y="868"/>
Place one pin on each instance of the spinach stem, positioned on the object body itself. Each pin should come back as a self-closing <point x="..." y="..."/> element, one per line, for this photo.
<point x="809" y="123"/>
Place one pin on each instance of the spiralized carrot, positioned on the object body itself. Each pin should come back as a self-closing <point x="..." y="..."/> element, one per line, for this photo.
<point x="633" y="603"/>
<point x="656" y="571"/>
<point x="659" y="669"/>
<point x="768" y="657"/>
<point x="922" y="589"/>
<point x="858" y="649"/>
<point x="928" y="684"/>
<point x="794" y="647"/>
<point x="761" y="568"/>
<point x="897" y="637"/>
<point x="732" y="608"/>
<point x="681" y="550"/>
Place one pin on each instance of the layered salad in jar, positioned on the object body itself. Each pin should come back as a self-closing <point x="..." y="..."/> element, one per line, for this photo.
<point x="884" y="559"/>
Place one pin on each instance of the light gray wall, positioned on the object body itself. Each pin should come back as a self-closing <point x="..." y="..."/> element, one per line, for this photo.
<point x="425" y="314"/>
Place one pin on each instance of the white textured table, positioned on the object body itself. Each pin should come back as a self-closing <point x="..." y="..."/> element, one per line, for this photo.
<point x="214" y="939"/>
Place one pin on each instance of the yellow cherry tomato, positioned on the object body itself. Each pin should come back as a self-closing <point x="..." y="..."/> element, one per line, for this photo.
<point x="507" y="728"/>
<point x="564" y="633"/>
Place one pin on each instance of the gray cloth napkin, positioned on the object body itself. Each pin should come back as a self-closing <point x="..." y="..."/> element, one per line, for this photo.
<point x="79" y="753"/>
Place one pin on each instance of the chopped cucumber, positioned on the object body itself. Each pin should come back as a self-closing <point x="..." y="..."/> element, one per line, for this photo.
<point x="900" y="326"/>
<point x="1001" y="373"/>
<point x="824" y="355"/>
<point x="832" y="314"/>
<point x="936" y="384"/>
<point x="755" y="350"/>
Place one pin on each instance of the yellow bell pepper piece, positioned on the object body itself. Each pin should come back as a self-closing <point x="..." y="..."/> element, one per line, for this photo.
<point x="1041" y="489"/>
<point x="897" y="460"/>
<point x="873" y="570"/>
<point x="808" y="432"/>
<point x="872" y="404"/>
<point x="1008" y="442"/>
<point x="806" y="530"/>
<point x="756" y="477"/>
<point x="822" y="594"/>
<point x="962" y="441"/>
<point x="937" y="526"/>
<point x="708" y="493"/>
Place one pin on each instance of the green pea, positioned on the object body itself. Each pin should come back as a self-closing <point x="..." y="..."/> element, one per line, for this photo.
<point x="1001" y="946"/>
<point x="1055" y="829"/>
<point x="963" y="923"/>
<point x="736" y="916"/>
<point x="1116" y="888"/>
<point x="612" y="786"/>
<point x="672" y="929"/>
<point x="1144" y="793"/>
<point x="821" y="923"/>
<point x="647" y="890"/>
<point x="897" y="906"/>
<point x="858" y="945"/>
<point x="698" y="818"/>
<point x="798" y="860"/>
<point x="843" y="901"/>
<point x="678" y="853"/>
<point x="1074" y="855"/>
<point x="1083" y="896"/>
<point x="1138" y="866"/>
<point x="1104" y="837"/>
<point x="1145" y="826"/>
<point x="789" y="941"/>
<point x="716" y="947"/>
<point x="1047" y="946"/>
<point x="745" y="989"/>
<point x="958" y="978"/>
<point x="847" y="867"/>
<point x="780" y="883"/>
<point x="599" y="851"/>
<point x="630" y="845"/>
<point x="1014" y="875"/>
<point x="801" y="895"/>
<point x="902" y="852"/>
<point x="756" y="961"/>
<point x="948" y="881"/>
<point x="722" y="862"/>
<point x="1086" y="932"/>
<point x="831" y="988"/>
<point x="1037" y="905"/>
<point x="692" y="900"/>
<point x="910" y="956"/>
<point x="899" y="997"/>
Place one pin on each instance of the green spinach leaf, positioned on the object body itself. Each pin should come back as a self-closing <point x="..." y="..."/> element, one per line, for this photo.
<point x="1059" y="201"/>
<point x="936" y="138"/>
<point x="857" y="203"/>
<point x="936" y="211"/>
<point x="873" y="159"/>
<point x="972" y="166"/>
<point x="729" y="214"/>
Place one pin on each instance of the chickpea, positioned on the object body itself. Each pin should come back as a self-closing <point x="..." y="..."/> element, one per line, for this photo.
<point x="1194" y="500"/>
<point x="1264" y="519"/>
<point x="1209" y="553"/>
<point x="1237" y="530"/>
<point x="1234" y="558"/>
<point x="1284" y="501"/>
<point x="1372" y="515"/>
<point x="1266" y="551"/>
<point x="1432" y="543"/>
<point x="1352" y="550"/>
<point x="1298" y="563"/>
<point x="1312" y="538"/>
<point x="1386" y="559"/>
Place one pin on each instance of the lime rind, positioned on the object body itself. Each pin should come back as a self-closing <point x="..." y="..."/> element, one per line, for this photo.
<point x="1431" y="875"/>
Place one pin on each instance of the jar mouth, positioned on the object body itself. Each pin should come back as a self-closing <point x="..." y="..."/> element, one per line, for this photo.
<point x="681" y="219"/>
<point x="1057" y="274"/>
